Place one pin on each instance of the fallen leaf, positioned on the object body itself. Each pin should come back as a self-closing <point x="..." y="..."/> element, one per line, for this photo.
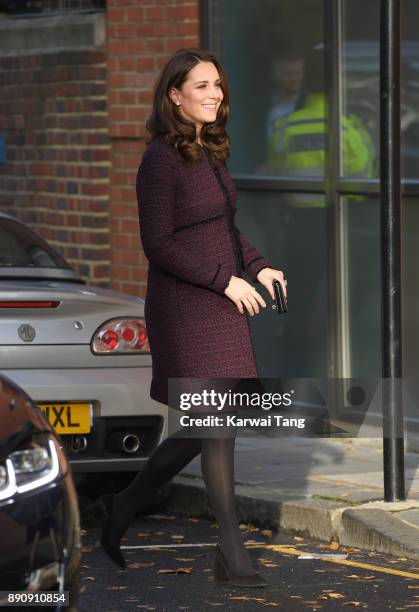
<point x="370" y="577"/>
<point x="117" y="588"/>
<point x="246" y="598"/>
<point x="177" y="537"/>
<point x="298" y="539"/>
<point x="355" y="604"/>
<point x="194" y="520"/>
<point x="138" y="565"/>
<point x="185" y="559"/>
<point x="178" y="570"/>
<point x="268" y="562"/>
<point x="87" y="549"/>
<point x="259" y="600"/>
<point x="247" y="527"/>
<point x="336" y="596"/>
<point x="89" y="578"/>
<point x="266" y="532"/>
<point x="159" y="548"/>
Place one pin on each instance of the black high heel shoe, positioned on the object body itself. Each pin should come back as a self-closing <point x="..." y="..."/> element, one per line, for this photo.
<point x="105" y="505"/>
<point x="223" y="575"/>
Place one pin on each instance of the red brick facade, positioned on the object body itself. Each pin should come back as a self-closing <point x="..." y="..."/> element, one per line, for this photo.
<point x="74" y="129"/>
<point x="53" y="114"/>
<point x="141" y="36"/>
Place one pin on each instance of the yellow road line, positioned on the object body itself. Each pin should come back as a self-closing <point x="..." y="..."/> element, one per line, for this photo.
<point x="286" y="550"/>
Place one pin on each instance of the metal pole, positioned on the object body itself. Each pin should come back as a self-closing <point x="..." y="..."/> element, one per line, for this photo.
<point x="393" y="437"/>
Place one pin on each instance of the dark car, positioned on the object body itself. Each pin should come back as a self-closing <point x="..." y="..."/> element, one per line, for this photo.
<point x="39" y="516"/>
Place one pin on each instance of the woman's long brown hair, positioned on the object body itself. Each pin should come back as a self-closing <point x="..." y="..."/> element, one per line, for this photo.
<point x="166" y="118"/>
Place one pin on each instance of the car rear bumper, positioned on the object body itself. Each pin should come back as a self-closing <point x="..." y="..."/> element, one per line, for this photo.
<point x="120" y="400"/>
<point x="114" y="391"/>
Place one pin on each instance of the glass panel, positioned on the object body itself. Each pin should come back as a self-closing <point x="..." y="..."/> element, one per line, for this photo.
<point x="362" y="287"/>
<point x="21" y="248"/>
<point x="410" y="90"/>
<point x="361" y="82"/>
<point x="360" y="121"/>
<point x="410" y="287"/>
<point x="36" y="7"/>
<point x="272" y="51"/>
<point x="293" y="237"/>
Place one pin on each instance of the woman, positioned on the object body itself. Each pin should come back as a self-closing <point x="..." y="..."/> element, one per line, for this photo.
<point x="197" y="305"/>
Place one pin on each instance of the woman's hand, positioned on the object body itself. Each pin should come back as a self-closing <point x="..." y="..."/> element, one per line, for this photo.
<point x="242" y="294"/>
<point x="267" y="275"/>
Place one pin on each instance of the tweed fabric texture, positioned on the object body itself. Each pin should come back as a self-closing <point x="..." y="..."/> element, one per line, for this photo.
<point x="189" y="237"/>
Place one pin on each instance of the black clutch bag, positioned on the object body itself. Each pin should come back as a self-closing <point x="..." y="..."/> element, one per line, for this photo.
<point x="280" y="301"/>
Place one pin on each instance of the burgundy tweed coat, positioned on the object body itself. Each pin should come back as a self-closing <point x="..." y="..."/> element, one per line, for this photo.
<point x="193" y="246"/>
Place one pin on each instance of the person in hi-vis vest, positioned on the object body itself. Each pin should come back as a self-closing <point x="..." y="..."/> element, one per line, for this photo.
<point x="297" y="148"/>
<point x="298" y="143"/>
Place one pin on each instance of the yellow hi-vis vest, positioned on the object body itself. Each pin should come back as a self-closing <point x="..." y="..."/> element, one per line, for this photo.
<point x="298" y="144"/>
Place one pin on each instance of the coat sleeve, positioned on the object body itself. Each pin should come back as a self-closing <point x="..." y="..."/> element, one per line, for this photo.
<point x="156" y="195"/>
<point x="254" y="262"/>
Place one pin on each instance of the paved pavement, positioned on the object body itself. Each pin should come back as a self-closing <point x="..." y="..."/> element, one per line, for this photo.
<point x="323" y="488"/>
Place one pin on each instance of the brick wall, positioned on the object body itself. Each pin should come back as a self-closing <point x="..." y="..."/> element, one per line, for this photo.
<point x="53" y="113"/>
<point x="74" y="128"/>
<point x="141" y="37"/>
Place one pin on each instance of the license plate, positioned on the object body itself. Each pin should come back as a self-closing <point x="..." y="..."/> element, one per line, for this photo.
<point x="68" y="418"/>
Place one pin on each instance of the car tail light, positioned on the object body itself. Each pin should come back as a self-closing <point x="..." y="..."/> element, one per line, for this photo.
<point x="121" y="336"/>
<point x="29" y="304"/>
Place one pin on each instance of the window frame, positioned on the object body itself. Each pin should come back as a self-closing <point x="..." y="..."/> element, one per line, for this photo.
<point x="335" y="187"/>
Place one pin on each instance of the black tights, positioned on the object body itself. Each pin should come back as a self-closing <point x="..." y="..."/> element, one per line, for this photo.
<point x="217" y="464"/>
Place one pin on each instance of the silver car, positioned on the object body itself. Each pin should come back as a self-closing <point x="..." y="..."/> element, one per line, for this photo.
<point x="81" y="352"/>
